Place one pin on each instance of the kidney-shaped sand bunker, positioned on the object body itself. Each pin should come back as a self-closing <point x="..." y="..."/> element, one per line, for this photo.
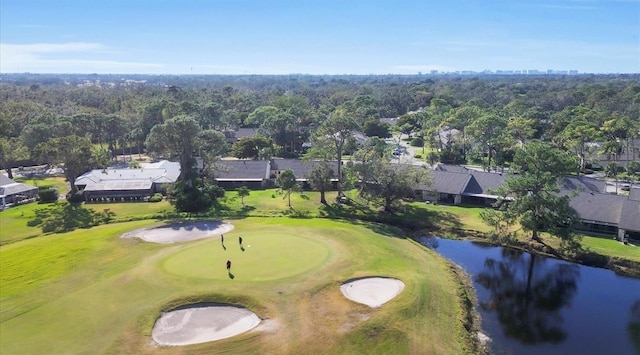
<point x="202" y="323"/>
<point x="184" y="231"/>
<point x="372" y="291"/>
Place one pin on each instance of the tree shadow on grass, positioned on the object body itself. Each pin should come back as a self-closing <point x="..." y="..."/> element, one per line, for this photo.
<point x="246" y="209"/>
<point x="429" y="219"/>
<point x="293" y="213"/>
<point x="408" y="218"/>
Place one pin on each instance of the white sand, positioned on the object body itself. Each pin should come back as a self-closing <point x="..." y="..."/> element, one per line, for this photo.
<point x="180" y="231"/>
<point x="372" y="291"/>
<point x="202" y="324"/>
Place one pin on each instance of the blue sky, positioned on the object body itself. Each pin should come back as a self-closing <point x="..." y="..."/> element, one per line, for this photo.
<point x="317" y="36"/>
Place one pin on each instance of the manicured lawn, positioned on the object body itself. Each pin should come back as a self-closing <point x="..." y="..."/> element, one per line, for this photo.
<point x="610" y="246"/>
<point x="459" y="216"/>
<point x="13" y="223"/>
<point x="273" y="202"/>
<point x="59" y="182"/>
<point x="89" y="291"/>
<point x="131" y="210"/>
<point x="32" y="263"/>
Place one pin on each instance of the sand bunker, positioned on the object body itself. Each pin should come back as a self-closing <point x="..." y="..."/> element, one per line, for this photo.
<point x="180" y="231"/>
<point x="201" y="324"/>
<point x="372" y="291"/>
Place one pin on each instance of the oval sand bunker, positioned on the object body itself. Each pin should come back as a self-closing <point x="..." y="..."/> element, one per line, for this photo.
<point x="372" y="291"/>
<point x="180" y="231"/>
<point x="201" y="324"/>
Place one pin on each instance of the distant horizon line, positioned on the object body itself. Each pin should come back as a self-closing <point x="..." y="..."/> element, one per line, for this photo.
<point x="532" y="72"/>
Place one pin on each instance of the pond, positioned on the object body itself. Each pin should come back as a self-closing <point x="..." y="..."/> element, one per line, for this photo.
<point x="531" y="304"/>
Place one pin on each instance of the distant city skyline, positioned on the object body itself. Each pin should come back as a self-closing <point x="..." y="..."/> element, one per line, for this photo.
<point x="319" y="37"/>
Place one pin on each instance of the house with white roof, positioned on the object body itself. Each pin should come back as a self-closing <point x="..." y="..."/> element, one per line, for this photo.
<point x="107" y="185"/>
<point x="12" y="192"/>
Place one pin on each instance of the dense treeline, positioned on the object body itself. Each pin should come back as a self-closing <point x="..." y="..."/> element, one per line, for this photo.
<point x="482" y="119"/>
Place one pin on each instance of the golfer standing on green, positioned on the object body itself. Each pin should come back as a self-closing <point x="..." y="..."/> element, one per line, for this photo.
<point x="228" y="265"/>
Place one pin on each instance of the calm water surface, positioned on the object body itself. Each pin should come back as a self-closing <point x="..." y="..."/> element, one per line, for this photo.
<point x="536" y="305"/>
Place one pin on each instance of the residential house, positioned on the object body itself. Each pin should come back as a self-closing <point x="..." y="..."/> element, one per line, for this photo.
<point x="600" y="213"/>
<point x="254" y="174"/>
<point x="257" y="174"/>
<point x="301" y="169"/>
<point x="454" y="184"/>
<point x="603" y="213"/>
<point x="103" y="185"/>
<point x="12" y="192"/>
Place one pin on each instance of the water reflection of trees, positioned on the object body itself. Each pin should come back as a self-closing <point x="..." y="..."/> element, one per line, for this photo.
<point x="528" y="296"/>
<point x="634" y="326"/>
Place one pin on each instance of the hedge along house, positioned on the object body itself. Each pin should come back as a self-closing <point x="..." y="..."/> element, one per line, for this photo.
<point x="113" y="185"/>
<point x="12" y="193"/>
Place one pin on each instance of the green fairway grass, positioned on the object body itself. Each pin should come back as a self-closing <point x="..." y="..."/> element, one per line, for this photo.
<point x="13" y="223"/>
<point x="90" y="291"/>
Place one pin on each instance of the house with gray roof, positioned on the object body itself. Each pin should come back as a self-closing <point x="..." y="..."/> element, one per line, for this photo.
<point x="458" y="185"/>
<point x="12" y="192"/>
<point x="257" y="174"/>
<point x="301" y="169"/>
<point x="629" y="222"/>
<point x="108" y="185"/>
<point x="446" y="187"/>
<point x="600" y="213"/>
<point x="231" y="174"/>
<point x="480" y="188"/>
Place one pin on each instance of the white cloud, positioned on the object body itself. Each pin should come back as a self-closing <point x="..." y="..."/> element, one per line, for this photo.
<point x="72" y="57"/>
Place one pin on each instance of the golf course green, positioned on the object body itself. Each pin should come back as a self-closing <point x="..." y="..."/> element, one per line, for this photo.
<point x="267" y="255"/>
<point x="91" y="291"/>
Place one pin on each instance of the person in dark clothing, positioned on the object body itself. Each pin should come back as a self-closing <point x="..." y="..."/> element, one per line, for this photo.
<point x="240" y="240"/>
<point x="228" y="265"/>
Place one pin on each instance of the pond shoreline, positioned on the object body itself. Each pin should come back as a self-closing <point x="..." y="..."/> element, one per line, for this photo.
<point x="620" y="266"/>
<point x="470" y="317"/>
<point x="544" y="293"/>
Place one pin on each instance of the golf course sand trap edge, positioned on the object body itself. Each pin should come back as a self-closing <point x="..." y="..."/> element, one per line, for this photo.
<point x="184" y="231"/>
<point x="372" y="291"/>
<point x="202" y="323"/>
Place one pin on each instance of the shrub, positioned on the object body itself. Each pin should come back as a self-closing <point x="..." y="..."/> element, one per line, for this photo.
<point x="417" y="156"/>
<point x="78" y="197"/>
<point x="417" y="142"/>
<point x="157" y="197"/>
<point x="46" y="195"/>
<point x="199" y="198"/>
<point x="450" y="157"/>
